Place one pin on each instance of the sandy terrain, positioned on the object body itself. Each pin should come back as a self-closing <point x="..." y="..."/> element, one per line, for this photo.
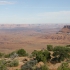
<point x="30" y="37"/>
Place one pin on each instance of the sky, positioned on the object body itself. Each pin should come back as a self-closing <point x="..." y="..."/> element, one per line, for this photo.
<point x="34" y="11"/>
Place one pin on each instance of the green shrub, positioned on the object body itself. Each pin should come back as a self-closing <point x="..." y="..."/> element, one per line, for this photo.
<point x="67" y="45"/>
<point x="13" y="63"/>
<point x="64" y="66"/>
<point x="3" y="65"/>
<point x="61" y="53"/>
<point x="21" y="52"/>
<point x="43" y="56"/>
<point x="29" y="65"/>
<point x="34" y="53"/>
<point x="1" y="55"/>
<point x="49" y="47"/>
<point x="44" y="67"/>
<point x="6" y="56"/>
<point x="9" y="55"/>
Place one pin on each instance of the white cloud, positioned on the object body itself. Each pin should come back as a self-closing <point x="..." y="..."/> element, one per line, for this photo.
<point x="47" y="17"/>
<point x="55" y="17"/>
<point x="55" y="14"/>
<point x="6" y="2"/>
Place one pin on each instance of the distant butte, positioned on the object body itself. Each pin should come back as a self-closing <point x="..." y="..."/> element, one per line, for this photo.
<point x="65" y="29"/>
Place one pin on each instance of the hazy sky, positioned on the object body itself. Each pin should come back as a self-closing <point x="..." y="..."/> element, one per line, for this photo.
<point x="34" y="11"/>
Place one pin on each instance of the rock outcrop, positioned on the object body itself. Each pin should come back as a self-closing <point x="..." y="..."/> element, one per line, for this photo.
<point x="65" y="29"/>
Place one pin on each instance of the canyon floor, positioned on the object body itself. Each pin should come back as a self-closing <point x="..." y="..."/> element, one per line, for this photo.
<point x="31" y="36"/>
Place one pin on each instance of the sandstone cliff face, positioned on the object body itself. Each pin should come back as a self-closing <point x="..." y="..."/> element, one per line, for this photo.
<point x="65" y="29"/>
<point x="61" y="37"/>
<point x="67" y="26"/>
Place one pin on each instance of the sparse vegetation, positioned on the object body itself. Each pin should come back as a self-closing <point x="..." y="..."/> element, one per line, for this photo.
<point x="3" y="65"/>
<point x="67" y="45"/>
<point x="30" y="65"/>
<point x="10" y="54"/>
<point x="49" y="47"/>
<point x="44" y="67"/>
<point x="34" y="53"/>
<point x="43" y="56"/>
<point x="13" y="63"/>
<point x="21" y="52"/>
<point x="1" y="55"/>
<point x="64" y="66"/>
<point x="59" y="54"/>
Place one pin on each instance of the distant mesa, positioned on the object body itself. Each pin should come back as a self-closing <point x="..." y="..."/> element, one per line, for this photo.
<point x="67" y="26"/>
<point x="65" y="29"/>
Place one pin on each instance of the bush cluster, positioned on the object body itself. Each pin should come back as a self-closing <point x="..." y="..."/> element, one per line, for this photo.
<point x="59" y="54"/>
<point x="20" y="53"/>
<point x="31" y="65"/>
<point x="64" y="66"/>
<point x="3" y="65"/>
<point x="13" y="63"/>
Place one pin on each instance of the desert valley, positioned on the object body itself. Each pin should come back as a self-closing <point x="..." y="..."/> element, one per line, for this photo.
<point x="32" y="36"/>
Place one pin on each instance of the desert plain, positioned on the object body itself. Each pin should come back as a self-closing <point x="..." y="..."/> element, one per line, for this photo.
<point x="31" y="36"/>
